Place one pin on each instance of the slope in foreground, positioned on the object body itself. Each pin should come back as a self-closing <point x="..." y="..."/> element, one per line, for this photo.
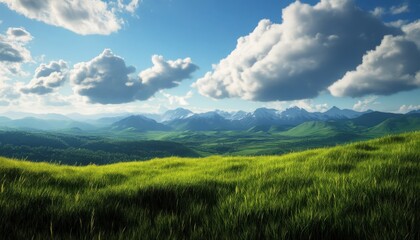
<point x="365" y="190"/>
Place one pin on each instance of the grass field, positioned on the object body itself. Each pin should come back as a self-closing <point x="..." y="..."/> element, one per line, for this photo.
<point x="364" y="190"/>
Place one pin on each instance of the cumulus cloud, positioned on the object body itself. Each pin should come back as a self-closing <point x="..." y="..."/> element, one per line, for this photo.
<point x="365" y="104"/>
<point x="310" y="106"/>
<point x="178" y="100"/>
<point x="313" y="47"/>
<point x="19" y="35"/>
<point x="408" y="108"/>
<point x="390" y="68"/>
<point x="164" y="75"/>
<point x="47" y="78"/>
<point x="107" y="79"/>
<point x="80" y="16"/>
<point x="13" y="51"/>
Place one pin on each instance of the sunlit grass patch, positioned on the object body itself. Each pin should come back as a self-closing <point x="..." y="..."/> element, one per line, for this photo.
<point x="365" y="190"/>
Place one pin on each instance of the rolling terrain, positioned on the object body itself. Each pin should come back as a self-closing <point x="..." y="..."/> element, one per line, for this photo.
<point x="83" y="150"/>
<point x="363" y="190"/>
<point x="128" y="139"/>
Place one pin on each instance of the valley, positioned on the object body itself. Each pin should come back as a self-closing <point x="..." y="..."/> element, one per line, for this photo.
<point x="137" y="137"/>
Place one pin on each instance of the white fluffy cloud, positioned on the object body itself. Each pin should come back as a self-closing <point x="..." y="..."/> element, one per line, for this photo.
<point x="80" y="16"/>
<point x="13" y="51"/>
<point x="297" y="59"/>
<point x="18" y="35"/>
<point x="392" y="67"/>
<point x="164" y="75"/>
<point x="107" y="80"/>
<point x="365" y="104"/>
<point x="178" y="100"/>
<point x="310" y="106"/>
<point x="408" y="108"/>
<point x="47" y="78"/>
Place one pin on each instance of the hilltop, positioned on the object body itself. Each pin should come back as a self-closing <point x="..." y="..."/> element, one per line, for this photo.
<point x="363" y="190"/>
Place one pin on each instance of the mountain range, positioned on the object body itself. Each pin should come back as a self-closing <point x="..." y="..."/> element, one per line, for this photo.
<point x="180" y="119"/>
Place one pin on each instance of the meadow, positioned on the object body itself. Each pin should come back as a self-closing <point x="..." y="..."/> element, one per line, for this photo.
<point x="362" y="190"/>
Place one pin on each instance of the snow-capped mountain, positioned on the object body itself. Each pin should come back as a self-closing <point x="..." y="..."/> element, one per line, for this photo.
<point x="295" y="113"/>
<point x="179" y="113"/>
<point x="209" y="121"/>
<point x="262" y="118"/>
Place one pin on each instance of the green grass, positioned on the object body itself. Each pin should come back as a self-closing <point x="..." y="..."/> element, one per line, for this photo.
<point x="364" y="190"/>
<point x="312" y="128"/>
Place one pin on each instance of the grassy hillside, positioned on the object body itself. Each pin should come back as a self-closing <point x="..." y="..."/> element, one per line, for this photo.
<point x="313" y="128"/>
<point x="365" y="190"/>
<point x="397" y="125"/>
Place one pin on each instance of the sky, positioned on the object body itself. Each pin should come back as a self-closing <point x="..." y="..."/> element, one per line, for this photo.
<point x="97" y="56"/>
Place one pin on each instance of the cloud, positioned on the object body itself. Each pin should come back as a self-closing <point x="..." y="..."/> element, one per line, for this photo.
<point x="19" y="35"/>
<point x="408" y="108"/>
<point x="130" y="7"/>
<point x="8" y="93"/>
<point x="107" y="80"/>
<point x="47" y="78"/>
<point x="364" y="104"/>
<point x="378" y="11"/>
<point x="164" y="75"/>
<point x="80" y="16"/>
<point x="395" y="10"/>
<point x="13" y="51"/>
<point x="178" y="100"/>
<point x="298" y="58"/>
<point x="392" y="67"/>
<point x="310" y="106"/>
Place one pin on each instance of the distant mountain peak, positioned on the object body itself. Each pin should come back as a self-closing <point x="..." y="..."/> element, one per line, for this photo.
<point x="212" y="114"/>
<point x="294" y="110"/>
<point x="265" y="113"/>
<point x="138" y="123"/>
<point x="333" y="109"/>
<point x="177" y="113"/>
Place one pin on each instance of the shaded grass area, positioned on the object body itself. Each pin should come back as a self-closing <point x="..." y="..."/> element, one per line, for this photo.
<point x="84" y="150"/>
<point x="364" y="190"/>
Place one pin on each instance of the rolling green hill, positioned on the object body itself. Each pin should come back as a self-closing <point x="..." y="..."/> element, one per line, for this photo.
<point x="373" y="118"/>
<point x="364" y="190"/>
<point x="313" y="128"/>
<point x="397" y="125"/>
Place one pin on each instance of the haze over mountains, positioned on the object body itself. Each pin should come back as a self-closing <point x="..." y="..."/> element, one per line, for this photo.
<point x="180" y="119"/>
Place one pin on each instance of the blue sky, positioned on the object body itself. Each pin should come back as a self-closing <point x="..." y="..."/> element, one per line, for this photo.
<point x="188" y="37"/>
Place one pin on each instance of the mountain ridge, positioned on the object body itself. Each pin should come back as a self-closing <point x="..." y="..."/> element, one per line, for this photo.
<point x="181" y="119"/>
